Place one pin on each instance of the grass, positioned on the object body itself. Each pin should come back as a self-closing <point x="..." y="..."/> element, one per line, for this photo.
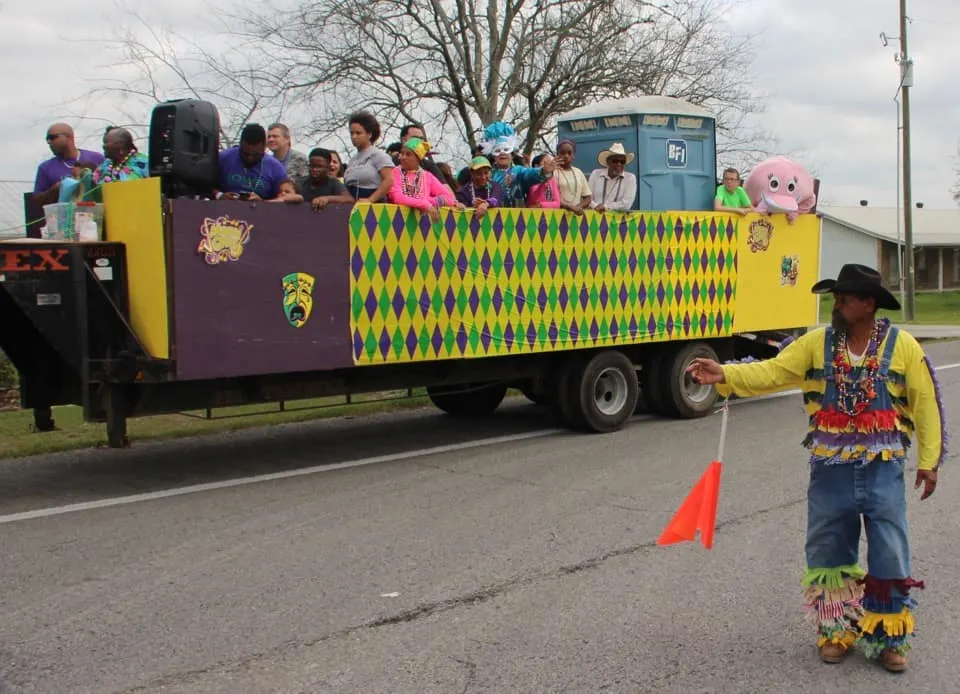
<point x="17" y="439"/>
<point x="932" y="308"/>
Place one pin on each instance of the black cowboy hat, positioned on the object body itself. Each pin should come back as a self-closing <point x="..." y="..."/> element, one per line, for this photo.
<point x="862" y="280"/>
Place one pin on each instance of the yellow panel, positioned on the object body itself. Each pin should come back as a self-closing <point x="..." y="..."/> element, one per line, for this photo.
<point x="778" y="264"/>
<point x="521" y="281"/>
<point x="134" y="217"/>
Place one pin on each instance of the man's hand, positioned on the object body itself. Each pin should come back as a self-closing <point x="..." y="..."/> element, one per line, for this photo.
<point x="230" y="196"/>
<point x="254" y="197"/>
<point x="433" y="213"/>
<point x="319" y="203"/>
<point x="706" y="371"/>
<point x="929" y="480"/>
<point x="548" y="164"/>
<point x="600" y="208"/>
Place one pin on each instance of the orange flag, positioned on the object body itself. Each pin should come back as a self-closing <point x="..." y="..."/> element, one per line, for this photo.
<point x="697" y="512"/>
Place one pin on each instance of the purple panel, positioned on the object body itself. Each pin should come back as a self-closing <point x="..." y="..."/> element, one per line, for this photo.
<point x="508" y="336"/>
<point x="412" y="342"/>
<point x="436" y="340"/>
<point x="687" y="261"/>
<point x="228" y="319"/>
<point x="563" y="297"/>
<point x="696" y="231"/>
<point x="643" y="230"/>
<point x="462" y="339"/>
<point x="661" y="229"/>
<point x="356" y="263"/>
<point x="668" y="261"/>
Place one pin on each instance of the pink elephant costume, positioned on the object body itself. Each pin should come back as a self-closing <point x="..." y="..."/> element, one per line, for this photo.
<point x="780" y="185"/>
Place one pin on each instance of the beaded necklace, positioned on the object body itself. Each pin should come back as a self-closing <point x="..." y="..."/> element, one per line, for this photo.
<point x="412" y="190"/>
<point x="857" y="387"/>
<point x="113" y="172"/>
<point x="473" y="193"/>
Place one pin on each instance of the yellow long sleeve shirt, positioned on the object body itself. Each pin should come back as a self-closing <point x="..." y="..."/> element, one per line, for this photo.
<point x="910" y="382"/>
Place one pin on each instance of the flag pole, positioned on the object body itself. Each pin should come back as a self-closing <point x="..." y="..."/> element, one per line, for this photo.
<point x="724" y="412"/>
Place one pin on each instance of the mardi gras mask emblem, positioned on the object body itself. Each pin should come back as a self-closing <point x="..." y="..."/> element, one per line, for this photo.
<point x="222" y="239"/>
<point x="298" y="298"/>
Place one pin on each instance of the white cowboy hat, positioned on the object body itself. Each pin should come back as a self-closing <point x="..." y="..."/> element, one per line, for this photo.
<point x="615" y="149"/>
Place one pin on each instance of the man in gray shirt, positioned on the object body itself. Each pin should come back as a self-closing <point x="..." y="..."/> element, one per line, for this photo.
<point x="278" y="142"/>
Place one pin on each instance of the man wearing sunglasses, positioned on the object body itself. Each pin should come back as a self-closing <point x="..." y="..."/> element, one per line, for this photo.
<point x="612" y="188"/>
<point x="67" y="160"/>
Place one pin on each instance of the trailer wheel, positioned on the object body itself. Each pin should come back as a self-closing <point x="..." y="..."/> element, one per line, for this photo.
<point x="468" y="400"/>
<point x="682" y="396"/>
<point x="601" y="391"/>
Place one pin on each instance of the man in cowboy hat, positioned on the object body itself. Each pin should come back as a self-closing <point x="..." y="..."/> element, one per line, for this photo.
<point x="867" y="388"/>
<point x="613" y="188"/>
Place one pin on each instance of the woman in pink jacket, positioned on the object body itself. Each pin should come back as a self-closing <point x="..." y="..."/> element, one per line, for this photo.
<point x="417" y="188"/>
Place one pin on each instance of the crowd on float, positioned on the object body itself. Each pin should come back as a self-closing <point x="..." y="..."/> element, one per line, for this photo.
<point x="265" y="166"/>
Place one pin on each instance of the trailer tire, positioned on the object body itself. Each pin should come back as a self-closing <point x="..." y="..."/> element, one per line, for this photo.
<point x="468" y="400"/>
<point x="115" y="408"/>
<point x="682" y="396"/>
<point x="601" y="391"/>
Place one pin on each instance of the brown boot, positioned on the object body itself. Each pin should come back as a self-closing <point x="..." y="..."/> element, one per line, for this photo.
<point x="893" y="661"/>
<point x="833" y="652"/>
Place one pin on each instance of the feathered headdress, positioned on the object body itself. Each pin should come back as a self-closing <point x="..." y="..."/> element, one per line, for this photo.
<point x="499" y="138"/>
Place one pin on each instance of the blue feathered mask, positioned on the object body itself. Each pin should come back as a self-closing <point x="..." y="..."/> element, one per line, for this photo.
<point x="499" y="138"/>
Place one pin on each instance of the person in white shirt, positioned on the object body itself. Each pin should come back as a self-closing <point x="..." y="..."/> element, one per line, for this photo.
<point x="612" y="188"/>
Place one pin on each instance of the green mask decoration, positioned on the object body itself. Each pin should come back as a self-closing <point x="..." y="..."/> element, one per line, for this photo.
<point x="298" y="298"/>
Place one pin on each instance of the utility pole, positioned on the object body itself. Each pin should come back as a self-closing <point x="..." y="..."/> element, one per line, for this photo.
<point x="906" y="81"/>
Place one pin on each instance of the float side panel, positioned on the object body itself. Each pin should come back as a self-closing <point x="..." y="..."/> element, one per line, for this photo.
<point x="134" y="217"/>
<point x="779" y="263"/>
<point x="524" y="281"/>
<point x="259" y="288"/>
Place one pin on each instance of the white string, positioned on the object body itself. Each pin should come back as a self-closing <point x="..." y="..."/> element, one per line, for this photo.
<point x="724" y="412"/>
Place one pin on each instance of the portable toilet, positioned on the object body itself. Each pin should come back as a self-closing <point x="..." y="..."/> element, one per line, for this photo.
<point x="674" y="142"/>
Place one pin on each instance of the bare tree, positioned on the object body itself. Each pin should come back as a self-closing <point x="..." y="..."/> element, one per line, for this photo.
<point x="461" y="64"/>
<point x="145" y="64"/>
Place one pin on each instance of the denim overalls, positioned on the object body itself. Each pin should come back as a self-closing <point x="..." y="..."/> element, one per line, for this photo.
<point x="839" y="493"/>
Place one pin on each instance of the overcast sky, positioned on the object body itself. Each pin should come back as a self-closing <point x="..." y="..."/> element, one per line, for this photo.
<point x="832" y="84"/>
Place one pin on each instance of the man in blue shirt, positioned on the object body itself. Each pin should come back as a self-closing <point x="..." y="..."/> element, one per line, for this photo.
<point x="245" y="173"/>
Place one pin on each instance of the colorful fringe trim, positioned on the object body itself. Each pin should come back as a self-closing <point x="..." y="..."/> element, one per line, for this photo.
<point x="943" y="420"/>
<point x="888" y="621"/>
<point x="833" y="603"/>
<point x="894" y="632"/>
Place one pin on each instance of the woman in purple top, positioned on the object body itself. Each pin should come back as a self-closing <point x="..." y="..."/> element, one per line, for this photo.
<point x="67" y="160"/>
<point x="481" y="193"/>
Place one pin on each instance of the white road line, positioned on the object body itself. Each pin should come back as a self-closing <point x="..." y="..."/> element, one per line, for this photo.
<point x="316" y="469"/>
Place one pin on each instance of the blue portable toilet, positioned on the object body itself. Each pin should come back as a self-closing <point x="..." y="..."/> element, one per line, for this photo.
<point x="675" y="143"/>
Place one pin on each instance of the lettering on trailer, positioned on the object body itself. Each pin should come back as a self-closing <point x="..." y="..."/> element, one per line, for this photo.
<point x="676" y="154"/>
<point x="33" y="260"/>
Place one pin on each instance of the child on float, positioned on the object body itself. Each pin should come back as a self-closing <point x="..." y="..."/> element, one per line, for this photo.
<point x="415" y="187"/>
<point x="574" y="189"/>
<point x="546" y="194"/>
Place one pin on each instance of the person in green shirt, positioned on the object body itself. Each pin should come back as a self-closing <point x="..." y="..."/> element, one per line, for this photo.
<point x="731" y="197"/>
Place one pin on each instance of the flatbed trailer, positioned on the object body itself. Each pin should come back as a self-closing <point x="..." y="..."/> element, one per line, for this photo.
<point x="194" y="304"/>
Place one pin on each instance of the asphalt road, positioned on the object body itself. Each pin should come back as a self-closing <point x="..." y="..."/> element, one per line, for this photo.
<point x="527" y="564"/>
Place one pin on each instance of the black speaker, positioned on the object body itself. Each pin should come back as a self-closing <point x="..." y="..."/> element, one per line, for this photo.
<point x="184" y="147"/>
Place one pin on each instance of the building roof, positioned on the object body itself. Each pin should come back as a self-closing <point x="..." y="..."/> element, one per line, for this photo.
<point x="666" y="105"/>
<point x="11" y="207"/>
<point x="930" y="227"/>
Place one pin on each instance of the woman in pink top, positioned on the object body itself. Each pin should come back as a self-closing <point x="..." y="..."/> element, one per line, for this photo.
<point x="417" y="188"/>
<point x="546" y="194"/>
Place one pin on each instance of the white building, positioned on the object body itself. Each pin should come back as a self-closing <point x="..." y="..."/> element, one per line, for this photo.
<point x="868" y="235"/>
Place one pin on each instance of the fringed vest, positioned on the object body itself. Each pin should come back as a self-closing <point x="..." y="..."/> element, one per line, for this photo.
<point x="877" y="432"/>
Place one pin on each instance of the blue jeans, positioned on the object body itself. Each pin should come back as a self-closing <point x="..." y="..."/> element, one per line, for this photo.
<point x="837" y="496"/>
